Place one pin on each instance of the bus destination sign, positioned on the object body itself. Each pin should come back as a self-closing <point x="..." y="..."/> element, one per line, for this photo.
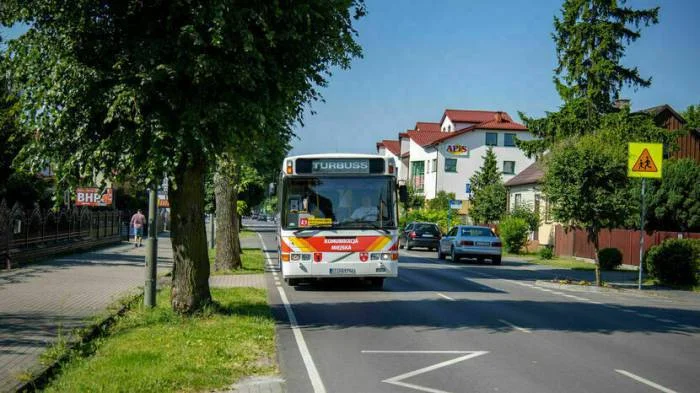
<point x="340" y="166"/>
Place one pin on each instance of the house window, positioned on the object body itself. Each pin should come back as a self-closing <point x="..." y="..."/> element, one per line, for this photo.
<point x="434" y="167"/>
<point x="518" y="199"/>
<point x="508" y="139"/>
<point x="509" y="167"/>
<point x="491" y="139"/>
<point x="451" y="165"/>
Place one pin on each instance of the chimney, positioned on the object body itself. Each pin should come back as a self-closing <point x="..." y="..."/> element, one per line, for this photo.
<point x="622" y="103"/>
<point x="499" y="117"/>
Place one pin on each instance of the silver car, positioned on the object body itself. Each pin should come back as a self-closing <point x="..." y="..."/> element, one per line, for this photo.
<point x="471" y="242"/>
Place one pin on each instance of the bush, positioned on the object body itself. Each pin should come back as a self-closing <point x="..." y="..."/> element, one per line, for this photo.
<point x="675" y="261"/>
<point x="438" y="217"/>
<point x="513" y="231"/>
<point x="609" y="258"/>
<point x="546" y="252"/>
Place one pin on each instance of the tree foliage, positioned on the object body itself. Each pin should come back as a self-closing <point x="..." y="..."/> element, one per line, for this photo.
<point x="441" y="201"/>
<point x="673" y="203"/>
<point x="590" y="38"/>
<point x="137" y="89"/>
<point x="692" y="116"/>
<point x="489" y="200"/>
<point x="586" y="182"/>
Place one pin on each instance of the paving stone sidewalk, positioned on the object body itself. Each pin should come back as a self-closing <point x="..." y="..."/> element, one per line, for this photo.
<point x="43" y="300"/>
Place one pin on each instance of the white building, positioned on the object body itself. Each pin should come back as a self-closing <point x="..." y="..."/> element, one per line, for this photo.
<point x="391" y="148"/>
<point x="445" y="160"/>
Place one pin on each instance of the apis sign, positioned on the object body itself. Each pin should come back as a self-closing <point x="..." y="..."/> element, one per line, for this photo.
<point x="457" y="150"/>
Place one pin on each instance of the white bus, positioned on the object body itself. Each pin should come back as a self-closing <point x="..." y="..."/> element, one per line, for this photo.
<point x="338" y="217"/>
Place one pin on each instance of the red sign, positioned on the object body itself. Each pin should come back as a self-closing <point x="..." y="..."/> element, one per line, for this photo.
<point x="91" y="196"/>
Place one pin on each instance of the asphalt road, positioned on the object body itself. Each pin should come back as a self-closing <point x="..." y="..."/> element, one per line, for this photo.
<point x="442" y="327"/>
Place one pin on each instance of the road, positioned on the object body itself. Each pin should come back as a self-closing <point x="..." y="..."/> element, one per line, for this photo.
<point x="446" y="328"/>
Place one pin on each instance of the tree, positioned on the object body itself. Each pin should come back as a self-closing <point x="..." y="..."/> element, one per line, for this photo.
<point x="489" y="201"/>
<point x="441" y="201"/>
<point x="586" y="182"/>
<point x="673" y="203"/>
<point x="692" y="116"/>
<point x="590" y="38"/>
<point x="140" y="89"/>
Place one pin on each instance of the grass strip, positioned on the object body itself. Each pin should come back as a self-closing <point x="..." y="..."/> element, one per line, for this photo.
<point x="157" y="350"/>
<point x="566" y="263"/>
<point x="252" y="259"/>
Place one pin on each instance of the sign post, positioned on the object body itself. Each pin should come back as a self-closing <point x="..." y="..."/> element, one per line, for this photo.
<point x="149" y="296"/>
<point x="454" y="204"/>
<point x="644" y="160"/>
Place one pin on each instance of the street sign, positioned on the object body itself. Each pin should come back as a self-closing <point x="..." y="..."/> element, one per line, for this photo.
<point x="645" y="160"/>
<point x="454" y="204"/>
<point x="91" y="196"/>
<point x="468" y="188"/>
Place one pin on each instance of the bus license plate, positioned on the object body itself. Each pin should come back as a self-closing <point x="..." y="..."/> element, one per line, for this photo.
<point x="342" y="270"/>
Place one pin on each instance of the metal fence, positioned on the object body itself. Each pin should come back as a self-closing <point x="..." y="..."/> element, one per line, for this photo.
<point x="22" y="230"/>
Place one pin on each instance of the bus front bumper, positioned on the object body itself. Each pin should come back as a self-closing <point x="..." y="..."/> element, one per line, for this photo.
<point x="340" y="269"/>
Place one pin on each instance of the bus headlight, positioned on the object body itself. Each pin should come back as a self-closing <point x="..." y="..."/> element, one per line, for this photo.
<point x="386" y="256"/>
<point x="296" y="257"/>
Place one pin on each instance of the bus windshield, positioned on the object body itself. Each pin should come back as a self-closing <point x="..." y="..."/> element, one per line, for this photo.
<point x="338" y="202"/>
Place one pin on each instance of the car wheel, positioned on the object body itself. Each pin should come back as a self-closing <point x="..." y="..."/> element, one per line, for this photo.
<point x="496" y="260"/>
<point x="453" y="255"/>
<point x="440" y="254"/>
<point x="408" y="245"/>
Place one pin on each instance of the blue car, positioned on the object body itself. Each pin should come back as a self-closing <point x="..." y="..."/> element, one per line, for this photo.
<point x="471" y="242"/>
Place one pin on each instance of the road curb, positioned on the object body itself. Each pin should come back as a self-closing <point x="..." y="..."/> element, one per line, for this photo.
<point x="612" y="289"/>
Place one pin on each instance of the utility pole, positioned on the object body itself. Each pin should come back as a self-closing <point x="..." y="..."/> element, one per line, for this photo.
<point x="149" y="290"/>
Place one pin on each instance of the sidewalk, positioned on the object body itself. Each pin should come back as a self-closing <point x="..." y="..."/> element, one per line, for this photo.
<point x="43" y="300"/>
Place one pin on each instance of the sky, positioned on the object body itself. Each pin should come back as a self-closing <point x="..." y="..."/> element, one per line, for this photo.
<point x="421" y="57"/>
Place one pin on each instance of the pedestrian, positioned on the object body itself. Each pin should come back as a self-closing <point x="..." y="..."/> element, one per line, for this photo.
<point x="138" y="220"/>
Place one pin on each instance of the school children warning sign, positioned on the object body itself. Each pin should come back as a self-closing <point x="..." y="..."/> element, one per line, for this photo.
<point x="645" y="160"/>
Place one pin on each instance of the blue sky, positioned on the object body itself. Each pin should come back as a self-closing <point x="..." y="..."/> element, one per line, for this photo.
<point x="422" y="56"/>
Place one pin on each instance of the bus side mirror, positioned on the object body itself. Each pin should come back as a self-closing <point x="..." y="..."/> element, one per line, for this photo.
<point x="403" y="194"/>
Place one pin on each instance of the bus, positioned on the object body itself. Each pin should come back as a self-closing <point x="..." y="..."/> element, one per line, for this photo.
<point x="338" y="217"/>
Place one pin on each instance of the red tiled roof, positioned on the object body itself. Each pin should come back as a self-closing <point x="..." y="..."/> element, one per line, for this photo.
<point x="393" y="146"/>
<point x="425" y="126"/>
<point x="506" y="125"/>
<point x="425" y="138"/>
<point x="469" y="116"/>
<point x="403" y="134"/>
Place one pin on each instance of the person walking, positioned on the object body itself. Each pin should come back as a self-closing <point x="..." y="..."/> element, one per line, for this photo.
<point x="138" y="220"/>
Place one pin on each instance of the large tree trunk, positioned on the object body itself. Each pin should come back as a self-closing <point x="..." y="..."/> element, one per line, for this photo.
<point x="228" y="248"/>
<point x="190" y="290"/>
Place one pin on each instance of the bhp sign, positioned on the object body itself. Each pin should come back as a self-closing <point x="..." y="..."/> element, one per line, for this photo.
<point x="90" y="196"/>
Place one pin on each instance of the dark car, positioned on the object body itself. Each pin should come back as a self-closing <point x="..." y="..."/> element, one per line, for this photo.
<point x="420" y="234"/>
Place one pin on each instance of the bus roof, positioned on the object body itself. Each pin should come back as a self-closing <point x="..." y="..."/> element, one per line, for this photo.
<point x="336" y="155"/>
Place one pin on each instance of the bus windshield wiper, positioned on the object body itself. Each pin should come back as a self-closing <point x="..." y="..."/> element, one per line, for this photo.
<point x="370" y="224"/>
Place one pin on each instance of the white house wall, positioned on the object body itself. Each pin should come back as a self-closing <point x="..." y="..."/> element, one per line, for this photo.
<point x="545" y="233"/>
<point x="466" y="167"/>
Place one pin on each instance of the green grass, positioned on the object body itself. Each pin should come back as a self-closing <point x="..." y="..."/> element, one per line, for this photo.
<point x="252" y="259"/>
<point x="246" y="234"/>
<point x="654" y="281"/>
<point x="158" y="350"/>
<point x="563" y="262"/>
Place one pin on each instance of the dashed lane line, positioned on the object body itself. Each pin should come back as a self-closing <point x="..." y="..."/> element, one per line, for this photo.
<point x="646" y="381"/>
<point x="445" y="296"/>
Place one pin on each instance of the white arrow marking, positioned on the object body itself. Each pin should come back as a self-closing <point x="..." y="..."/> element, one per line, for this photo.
<point x="397" y="379"/>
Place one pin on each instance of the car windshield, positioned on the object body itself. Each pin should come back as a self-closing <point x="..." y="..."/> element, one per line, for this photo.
<point x="338" y="202"/>
<point x="429" y="228"/>
<point x="478" y="232"/>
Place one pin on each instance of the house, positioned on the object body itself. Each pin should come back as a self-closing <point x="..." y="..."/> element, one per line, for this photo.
<point x="446" y="159"/>
<point x="525" y="189"/>
<point x="392" y="149"/>
<point x="689" y="144"/>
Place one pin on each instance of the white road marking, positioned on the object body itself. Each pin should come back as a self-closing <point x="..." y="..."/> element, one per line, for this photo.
<point x="667" y="320"/>
<point x="397" y="379"/>
<point x="646" y="381"/>
<point x="445" y="296"/>
<point x="311" y="369"/>
<point x="524" y="330"/>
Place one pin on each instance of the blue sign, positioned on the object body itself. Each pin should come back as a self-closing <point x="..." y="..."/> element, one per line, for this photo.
<point x="455" y="204"/>
<point x="468" y="188"/>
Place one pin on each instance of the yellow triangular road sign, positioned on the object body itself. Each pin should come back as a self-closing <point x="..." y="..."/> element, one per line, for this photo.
<point x="645" y="163"/>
